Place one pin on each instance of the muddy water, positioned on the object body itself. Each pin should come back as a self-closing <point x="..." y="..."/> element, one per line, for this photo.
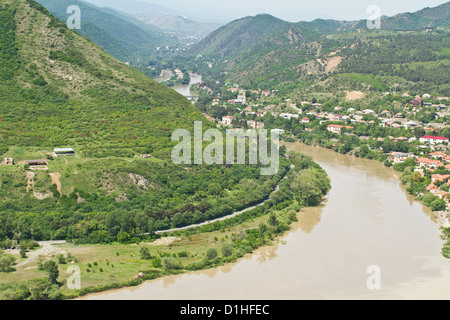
<point x="367" y="220"/>
<point x="185" y="89"/>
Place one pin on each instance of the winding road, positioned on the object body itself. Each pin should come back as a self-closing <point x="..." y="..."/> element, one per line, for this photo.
<point x="235" y="214"/>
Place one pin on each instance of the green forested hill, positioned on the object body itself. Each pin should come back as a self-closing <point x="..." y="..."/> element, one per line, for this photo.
<point x="436" y="17"/>
<point x="240" y="36"/>
<point x="121" y="38"/>
<point x="292" y="56"/>
<point x="58" y="88"/>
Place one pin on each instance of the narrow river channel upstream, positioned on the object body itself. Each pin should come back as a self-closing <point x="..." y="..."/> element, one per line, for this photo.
<point x="367" y="221"/>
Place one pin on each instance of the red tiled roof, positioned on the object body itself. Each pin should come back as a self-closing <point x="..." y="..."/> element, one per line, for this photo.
<point x="434" y="138"/>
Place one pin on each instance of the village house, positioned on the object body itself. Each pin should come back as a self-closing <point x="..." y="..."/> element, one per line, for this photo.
<point x="428" y="163"/>
<point x="441" y="194"/>
<point x="289" y="116"/>
<point x="432" y="188"/>
<point x="37" y="164"/>
<point x="210" y="119"/>
<point x="227" y="120"/>
<point x="417" y="102"/>
<point x="369" y="111"/>
<point x="385" y="113"/>
<point x="434" y="140"/>
<point x="411" y="124"/>
<point x="399" y="157"/>
<point x="437" y="155"/>
<point x="336" y="128"/>
<point x="8" y="162"/>
<point x="439" y="177"/>
<point x="255" y="124"/>
<point x="279" y="131"/>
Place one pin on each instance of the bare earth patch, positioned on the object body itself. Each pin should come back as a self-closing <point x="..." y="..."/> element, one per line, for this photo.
<point x="47" y="249"/>
<point x="330" y="64"/>
<point x="165" y="241"/>
<point x="354" y="95"/>
<point x="55" y="180"/>
<point x="30" y="180"/>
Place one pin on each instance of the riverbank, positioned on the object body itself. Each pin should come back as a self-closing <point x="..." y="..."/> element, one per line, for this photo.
<point x="417" y="179"/>
<point x="105" y="267"/>
<point x="404" y="177"/>
<point x="368" y="220"/>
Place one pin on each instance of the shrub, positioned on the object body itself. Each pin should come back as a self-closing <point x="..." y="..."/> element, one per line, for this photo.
<point x="211" y="254"/>
<point x="227" y="250"/>
<point x="156" y="263"/>
<point x="61" y="259"/>
<point x="172" y="264"/>
<point x="7" y="263"/>
<point x="145" y="253"/>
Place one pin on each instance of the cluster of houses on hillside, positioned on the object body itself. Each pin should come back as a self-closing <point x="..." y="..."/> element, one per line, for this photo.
<point x="305" y="111"/>
<point x="440" y="183"/>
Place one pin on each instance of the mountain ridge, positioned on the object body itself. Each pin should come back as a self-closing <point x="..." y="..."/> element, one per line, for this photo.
<point x="284" y="56"/>
<point x="122" y="38"/>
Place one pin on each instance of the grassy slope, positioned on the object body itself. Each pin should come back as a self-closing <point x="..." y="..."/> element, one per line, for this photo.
<point x="82" y="96"/>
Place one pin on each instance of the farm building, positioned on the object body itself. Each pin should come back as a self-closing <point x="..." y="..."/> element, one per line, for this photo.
<point x="63" y="152"/>
<point x="8" y="162"/>
<point x="36" y="162"/>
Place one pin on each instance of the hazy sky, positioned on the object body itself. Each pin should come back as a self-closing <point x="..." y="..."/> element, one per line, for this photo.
<point x="290" y="10"/>
<point x="297" y="10"/>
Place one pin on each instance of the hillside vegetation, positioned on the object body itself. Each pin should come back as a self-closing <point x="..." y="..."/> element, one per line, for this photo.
<point x="122" y="39"/>
<point x="58" y="89"/>
<point x="409" y="52"/>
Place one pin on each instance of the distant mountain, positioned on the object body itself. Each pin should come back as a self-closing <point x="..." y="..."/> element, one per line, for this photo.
<point x="437" y="17"/>
<point x="178" y="24"/>
<point x="195" y="12"/>
<point x="240" y="36"/>
<point x="261" y="50"/>
<point x="132" y="19"/>
<point x="133" y="6"/>
<point x="271" y="53"/>
<point x="115" y="33"/>
<point x="426" y="18"/>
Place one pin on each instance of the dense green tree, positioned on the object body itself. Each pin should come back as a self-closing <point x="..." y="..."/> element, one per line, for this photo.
<point x="6" y="263"/>
<point x="51" y="268"/>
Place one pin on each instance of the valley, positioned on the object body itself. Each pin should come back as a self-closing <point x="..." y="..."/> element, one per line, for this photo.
<point x="88" y="181"/>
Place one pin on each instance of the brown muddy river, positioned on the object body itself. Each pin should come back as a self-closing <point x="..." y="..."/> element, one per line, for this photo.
<point x="367" y="220"/>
